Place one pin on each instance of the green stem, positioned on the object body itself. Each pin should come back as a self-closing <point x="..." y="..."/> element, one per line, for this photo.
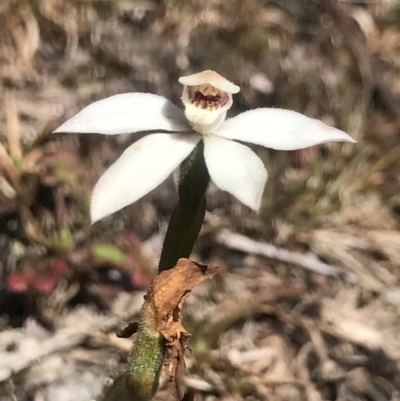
<point x="146" y="360"/>
<point x="140" y="383"/>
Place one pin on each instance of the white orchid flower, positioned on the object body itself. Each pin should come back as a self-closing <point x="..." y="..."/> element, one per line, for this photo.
<point x="207" y="96"/>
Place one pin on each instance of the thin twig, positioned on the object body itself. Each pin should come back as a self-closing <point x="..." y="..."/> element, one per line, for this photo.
<point x="13" y="126"/>
<point x="244" y="244"/>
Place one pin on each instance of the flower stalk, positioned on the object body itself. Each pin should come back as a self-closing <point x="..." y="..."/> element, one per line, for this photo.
<point x="146" y="361"/>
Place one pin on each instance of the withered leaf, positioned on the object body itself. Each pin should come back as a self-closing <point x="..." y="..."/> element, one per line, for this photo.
<point x="162" y="310"/>
<point x="174" y="366"/>
<point x="166" y="294"/>
<point x="128" y="331"/>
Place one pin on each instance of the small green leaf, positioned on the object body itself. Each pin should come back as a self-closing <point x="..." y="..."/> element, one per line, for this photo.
<point x="63" y="239"/>
<point x="108" y="253"/>
<point x="63" y="173"/>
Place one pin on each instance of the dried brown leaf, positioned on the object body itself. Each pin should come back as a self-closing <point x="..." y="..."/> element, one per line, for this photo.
<point x="166" y="294"/>
<point x="174" y="366"/>
<point x="162" y="311"/>
<point x="128" y="331"/>
<point x="7" y="165"/>
<point x="31" y="227"/>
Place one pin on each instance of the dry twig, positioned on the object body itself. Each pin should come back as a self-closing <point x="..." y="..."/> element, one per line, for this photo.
<point x="244" y="244"/>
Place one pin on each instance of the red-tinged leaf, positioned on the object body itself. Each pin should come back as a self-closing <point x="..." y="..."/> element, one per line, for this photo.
<point x="17" y="282"/>
<point x="59" y="266"/>
<point x="44" y="284"/>
<point x="138" y="278"/>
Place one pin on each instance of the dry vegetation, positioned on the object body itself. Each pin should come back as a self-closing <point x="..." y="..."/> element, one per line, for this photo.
<point x="316" y="315"/>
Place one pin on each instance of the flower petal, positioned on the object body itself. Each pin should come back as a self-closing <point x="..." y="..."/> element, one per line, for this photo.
<point x="141" y="168"/>
<point x="235" y="168"/>
<point x="280" y="129"/>
<point x="126" y="113"/>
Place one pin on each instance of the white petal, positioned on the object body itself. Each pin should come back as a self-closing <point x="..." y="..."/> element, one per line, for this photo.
<point x="235" y="168"/>
<point x="141" y="168"/>
<point x="126" y="113"/>
<point x="280" y="129"/>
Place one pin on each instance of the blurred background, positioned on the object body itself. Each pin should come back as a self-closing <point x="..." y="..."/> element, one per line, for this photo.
<point x="307" y="305"/>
